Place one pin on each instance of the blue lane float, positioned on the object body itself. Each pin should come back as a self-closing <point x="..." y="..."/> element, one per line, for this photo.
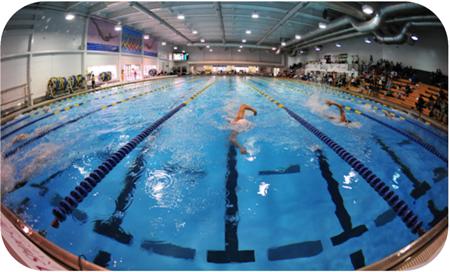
<point x="12" y="123"/>
<point x="76" y="196"/>
<point x="400" y="207"/>
<point x="425" y="145"/>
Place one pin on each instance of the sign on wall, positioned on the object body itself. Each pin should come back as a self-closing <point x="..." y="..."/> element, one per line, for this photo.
<point x="102" y="36"/>
<point x="151" y="47"/>
<point x="131" y="41"/>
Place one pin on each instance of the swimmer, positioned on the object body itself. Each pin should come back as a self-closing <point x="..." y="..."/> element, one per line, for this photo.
<point x="240" y="124"/>
<point x="343" y="119"/>
<point x="21" y="137"/>
<point x="389" y="114"/>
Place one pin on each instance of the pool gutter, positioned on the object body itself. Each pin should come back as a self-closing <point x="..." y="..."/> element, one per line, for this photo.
<point x="416" y="252"/>
<point x="39" y="243"/>
<point x="12" y="115"/>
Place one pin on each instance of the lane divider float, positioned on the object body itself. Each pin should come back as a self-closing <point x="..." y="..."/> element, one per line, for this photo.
<point x="430" y="148"/>
<point x="32" y="139"/>
<point x="400" y="207"/>
<point x="67" y="108"/>
<point x="76" y="196"/>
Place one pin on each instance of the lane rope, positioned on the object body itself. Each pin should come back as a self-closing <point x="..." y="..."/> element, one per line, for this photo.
<point x="77" y="195"/>
<point x="400" y="207"/>
<point x="32" y="139"/>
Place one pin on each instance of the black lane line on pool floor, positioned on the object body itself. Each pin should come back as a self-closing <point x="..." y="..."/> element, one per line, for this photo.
<point x="292" y="169"/>
<point x="408" y="216"/>
<point x="341" y="212"/>
<point x="358" y="259"/>
<point x="232" y="254"/>
<point x="420" y="188"/>
<point x="437" y="214"/>
<point x="111" y="227"/>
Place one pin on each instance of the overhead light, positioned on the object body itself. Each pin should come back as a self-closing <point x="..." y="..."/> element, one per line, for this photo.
<point x="146" y="36"/>
<point x="274" y="48"/>
<point x="255" y="15"/>
<point x="163" y="43"/>
<point x="210" y="50"/>
<point x="298" y="37"/>
<point x="180" y="17"/>
<point x="414" y="38"/>
<point x="207" y="46"/>
<point x="194" y="31"/>
<point x="322" y="25"/>
<point x="118" y="27"/>
<point x="202" y="40"/>
<point x="248" y="32"/>
<point x="239" y="50"/>
<point x="367" y="40"/>
<point x="338" y="45"/>
<point x="301" y="51"/>
<point x="70" y="16"/>
<point x="283" y="43"/>
<point x="367" y="9"/>
<point x="244" y="40"/>
<point x="240" y="46"/>
<point x="183" y="51"/>
<point x="317" y="48"/>
<point x="175" y="48"/>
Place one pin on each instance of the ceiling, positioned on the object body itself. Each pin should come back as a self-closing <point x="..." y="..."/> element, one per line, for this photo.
<point x="223" y="23"/>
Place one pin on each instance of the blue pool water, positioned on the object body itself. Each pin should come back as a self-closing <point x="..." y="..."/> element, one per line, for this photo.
<point x="183" y="199"/>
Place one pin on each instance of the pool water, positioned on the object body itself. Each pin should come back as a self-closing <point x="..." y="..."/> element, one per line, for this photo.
<point x="185" y="199"/>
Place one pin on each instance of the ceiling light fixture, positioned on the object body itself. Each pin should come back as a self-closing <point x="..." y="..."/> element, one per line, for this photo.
<point x="207" y="46"/>
<point x="244" y="40"/>
<point x="180" y="17"/>
<point x="70" y="16"/>
<point x="274" y="48"/>
<point x="239" y="50"/>
<point x="317" y="48"/>
<point x="283" y="43"/>
<point x="367" y="40"/>
<point x="322" y="25"/>
<point x="298" y="37"/>
<point x="183" y="51"/>
<point x="338" y="45"/>
<point x="367" y="9"/>
<point x="414" y="38"/>
<point x="255" y="15"/>
<point x="194" y="31"/>
<point x="248" y="32"/>
<point x="118" y="27"/>
<point x="210" y="50"/>
<point x="146" y="36"/>
<point x="202" y="40"/>
<point x="175" y="48"/>
<point x="240" y="46"/>
<point x="163" y="43"/>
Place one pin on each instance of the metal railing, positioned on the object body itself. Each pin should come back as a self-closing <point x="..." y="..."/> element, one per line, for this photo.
<point x="15" y="98"/>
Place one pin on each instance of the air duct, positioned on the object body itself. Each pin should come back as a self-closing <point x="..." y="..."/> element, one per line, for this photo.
<point x="402" y="36"/>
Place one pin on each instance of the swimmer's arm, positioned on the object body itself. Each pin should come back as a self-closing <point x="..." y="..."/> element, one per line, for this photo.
<point x="249" y="108"/>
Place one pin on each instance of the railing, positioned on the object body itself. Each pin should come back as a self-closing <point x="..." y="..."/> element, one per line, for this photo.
<point x="15" y="98"/>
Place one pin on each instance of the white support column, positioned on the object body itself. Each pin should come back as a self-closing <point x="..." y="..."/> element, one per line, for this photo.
<point x="28" y="91"/>
<point x="84" y="45"/>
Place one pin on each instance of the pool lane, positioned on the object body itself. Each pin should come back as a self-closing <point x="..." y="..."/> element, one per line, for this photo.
<point x="72" y="106"/>
<point x="80" y="192"/>
<point x="408" y="216"/>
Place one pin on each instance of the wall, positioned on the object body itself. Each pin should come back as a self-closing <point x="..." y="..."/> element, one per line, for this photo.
<point x="54" y="47"/>
<point x="429" y="53"/>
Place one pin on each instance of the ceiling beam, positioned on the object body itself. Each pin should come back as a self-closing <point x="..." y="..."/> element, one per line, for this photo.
<point x="149" y="13"/>
<point x="347" y="9"/>
<point x="286" y="17"/>
<point x="72" y="5"/>
<point x="219" y="13"/>
<point x="99" y="7"/>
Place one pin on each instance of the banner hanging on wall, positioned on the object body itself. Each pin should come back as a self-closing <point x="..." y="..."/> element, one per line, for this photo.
<point x="131" y="41"/>
<point x="102" y="36"/>
<point x="151" y="47"/>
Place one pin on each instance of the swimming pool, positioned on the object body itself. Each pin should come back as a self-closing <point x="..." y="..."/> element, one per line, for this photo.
<point x="311" y="194"/>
